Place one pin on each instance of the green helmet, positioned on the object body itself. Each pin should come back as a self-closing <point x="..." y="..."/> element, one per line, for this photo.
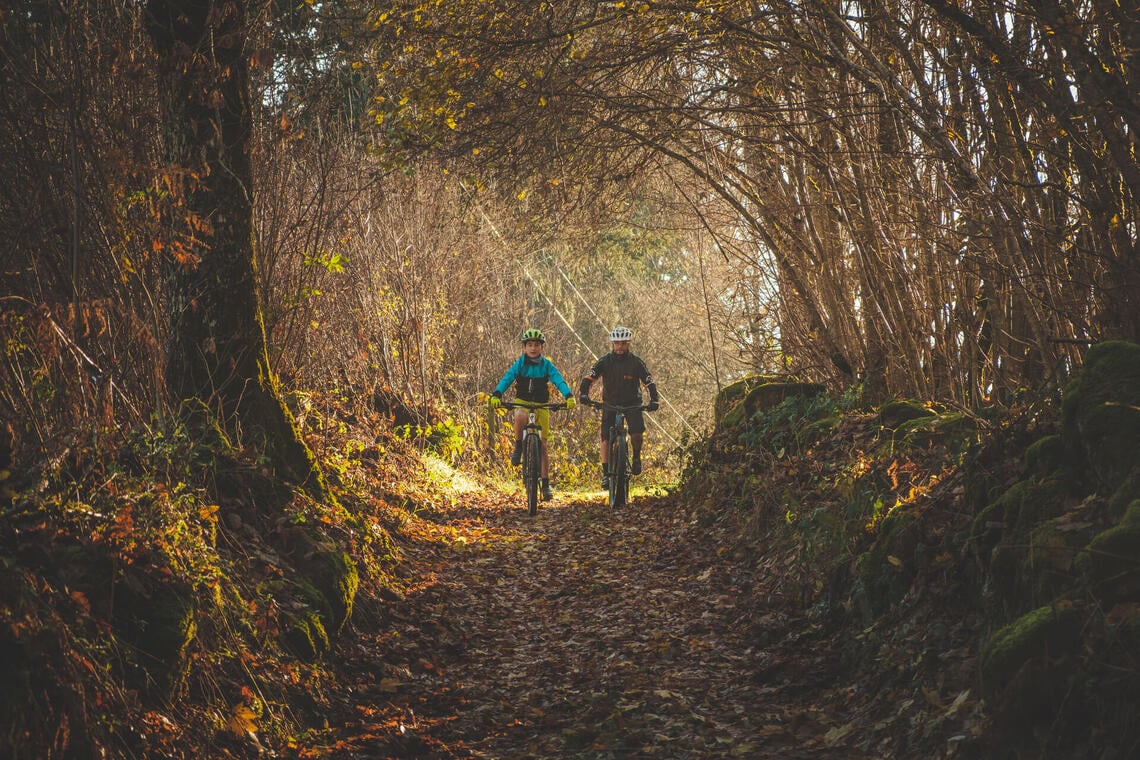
<point x="533" y="334"/>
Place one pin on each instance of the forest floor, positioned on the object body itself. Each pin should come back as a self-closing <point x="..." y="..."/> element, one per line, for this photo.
<point x="586" y="632"/>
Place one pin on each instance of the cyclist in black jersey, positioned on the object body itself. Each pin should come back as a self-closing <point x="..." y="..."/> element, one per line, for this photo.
<point x="622" y="374"/>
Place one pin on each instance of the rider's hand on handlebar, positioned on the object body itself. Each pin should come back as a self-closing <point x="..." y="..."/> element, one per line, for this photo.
<point x="496" y="402"/>
<point x="583" y="399"/>
<point x="570" y="403"/>
<point x="652" y="406"/>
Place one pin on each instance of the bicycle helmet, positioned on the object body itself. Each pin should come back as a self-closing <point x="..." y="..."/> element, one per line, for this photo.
<point x="621" y="334"/>
<point x="533" y="334"/>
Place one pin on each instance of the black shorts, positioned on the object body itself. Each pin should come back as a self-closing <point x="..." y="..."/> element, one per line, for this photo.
<point x="634" y="420"/>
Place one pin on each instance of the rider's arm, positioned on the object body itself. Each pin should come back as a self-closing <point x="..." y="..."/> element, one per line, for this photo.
<point x="594" y="373"/>
<point x="559" y="382"/>
<point x="647" y="379"/>
<point x="652" y="388"/>
<point x="508" y="378"/>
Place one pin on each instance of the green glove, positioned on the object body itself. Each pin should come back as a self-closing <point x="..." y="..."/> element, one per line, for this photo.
<point x="496" y="402"/>
<point x="570" y="403"/>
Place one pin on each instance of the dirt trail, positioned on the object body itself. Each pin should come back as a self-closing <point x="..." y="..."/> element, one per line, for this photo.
<point x="583" y="633"/>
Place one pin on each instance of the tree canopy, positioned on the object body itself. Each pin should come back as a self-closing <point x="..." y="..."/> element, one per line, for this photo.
<point x="955" y="181"/>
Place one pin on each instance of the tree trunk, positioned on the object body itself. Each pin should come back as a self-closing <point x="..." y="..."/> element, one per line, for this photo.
<point x="218" y="365"/>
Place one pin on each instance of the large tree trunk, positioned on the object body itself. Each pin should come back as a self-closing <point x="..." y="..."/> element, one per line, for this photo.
<point x="218" y="363"/>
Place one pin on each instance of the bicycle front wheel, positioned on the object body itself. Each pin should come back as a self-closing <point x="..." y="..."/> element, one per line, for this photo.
<point x="532" y="464"/>
<point x="619" y="473"/>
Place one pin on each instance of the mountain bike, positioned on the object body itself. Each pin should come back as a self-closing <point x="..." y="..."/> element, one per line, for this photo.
<point x="532" y="449"/>
<point x="618" y="459"/>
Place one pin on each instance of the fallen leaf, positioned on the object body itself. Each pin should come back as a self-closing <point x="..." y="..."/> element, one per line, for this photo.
<point x="241" y="721"/>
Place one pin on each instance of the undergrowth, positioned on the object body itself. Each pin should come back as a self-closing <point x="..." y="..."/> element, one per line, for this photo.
<point x="168" y="596"/>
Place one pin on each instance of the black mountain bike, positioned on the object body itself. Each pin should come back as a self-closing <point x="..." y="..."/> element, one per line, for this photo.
<point x="618" y="461"/>
<point x="532" y="449"/>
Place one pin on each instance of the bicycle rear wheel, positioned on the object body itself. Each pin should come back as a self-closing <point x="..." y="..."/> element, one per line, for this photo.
<point x="619" y="473"/>
<point x="532" y="463"/>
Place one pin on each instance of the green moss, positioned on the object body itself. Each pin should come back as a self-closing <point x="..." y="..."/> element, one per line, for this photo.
<point x="337" y="578"/>
<point x="1101" y="412"/>
<point x="895" y="413"/>
<point x="326" y="578"/>
<point x="1124" y="496"/>
<point x="956" y="431"/>
<point x="731" y="395"/>
<point x="1053" y="549"/>
<point x="160" y="619"/>
<point x="884" y="573"/>
<point x="991" y="522"/>
<point x="1052" y="630"/>
<point x="1016" y="534"/>
<point x="307" y="639"/>
<point x="1131" y="514"/>
<point x="1112" y="561"/>
<point x="765" y="397"/>
<point x="821" y="428"/>
<point x="736" y="417"/>
<point x="1045" y="456"/>
<point x="1015" y="513"/>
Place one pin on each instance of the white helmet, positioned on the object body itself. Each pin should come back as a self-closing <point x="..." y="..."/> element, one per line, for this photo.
<point x="620" y="334"/>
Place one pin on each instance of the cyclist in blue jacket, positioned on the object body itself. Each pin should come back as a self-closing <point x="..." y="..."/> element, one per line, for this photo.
<point x="532" y="373"/>
<point x="622" y="374"/>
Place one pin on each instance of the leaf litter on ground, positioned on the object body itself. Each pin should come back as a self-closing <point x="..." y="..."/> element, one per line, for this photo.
<point x="582" y="632"/>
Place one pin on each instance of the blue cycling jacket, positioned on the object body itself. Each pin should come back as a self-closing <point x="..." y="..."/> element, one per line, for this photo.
<point x="532" y="378"/>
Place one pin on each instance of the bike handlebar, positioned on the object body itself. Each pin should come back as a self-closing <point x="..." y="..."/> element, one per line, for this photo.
<point x="614" y="407"/>
<point x="553" y="406"/>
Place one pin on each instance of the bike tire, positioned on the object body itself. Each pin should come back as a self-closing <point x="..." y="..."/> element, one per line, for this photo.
<point x="619" y="473"/>
<point x="532" y="464"/>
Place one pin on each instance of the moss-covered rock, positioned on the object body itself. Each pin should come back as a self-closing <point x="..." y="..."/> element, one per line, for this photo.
<point x="1015" y="513"/>
<point x="822" y="427"/>
<point x="1101" y="412"/>
<point x="1021" y="548"/>
<point x="307" y="638"/>
<point x="1050" y="631"/>
<point x="731" y="395"/>
<point x="895" y="413"/>
<point x="1053" y="548"/>
<point x="766" y="396"/>
<point x="1132" y="514"/>
<point x="159" y="618"/>
<point x="1112" y="561"/>
<point x="1122" y="499"/>
<point x="1045" y="457"/>
<point x="990" y="523"/>
<point x="956" y="431"/>
<point x="884" y="573"/>
<point x="326" y="578"/>
<point x="336" y="576"/>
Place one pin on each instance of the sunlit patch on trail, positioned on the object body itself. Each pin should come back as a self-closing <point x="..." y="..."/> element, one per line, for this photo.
<point x="449" y="478"/>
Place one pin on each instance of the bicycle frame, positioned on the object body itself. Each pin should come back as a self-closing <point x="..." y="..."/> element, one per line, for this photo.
<point x="618" y="456"/>
<point x="532" y="447"/>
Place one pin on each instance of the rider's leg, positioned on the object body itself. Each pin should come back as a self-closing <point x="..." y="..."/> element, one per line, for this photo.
<point x="543" y="419"/>
<point x="544" y="484"/>
<point x="635" y="440"/>
<point x="520" y="423"/>
<point x="605" y="449"/>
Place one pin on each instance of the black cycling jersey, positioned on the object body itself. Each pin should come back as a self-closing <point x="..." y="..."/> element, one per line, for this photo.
<point x="622" y="376"/>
